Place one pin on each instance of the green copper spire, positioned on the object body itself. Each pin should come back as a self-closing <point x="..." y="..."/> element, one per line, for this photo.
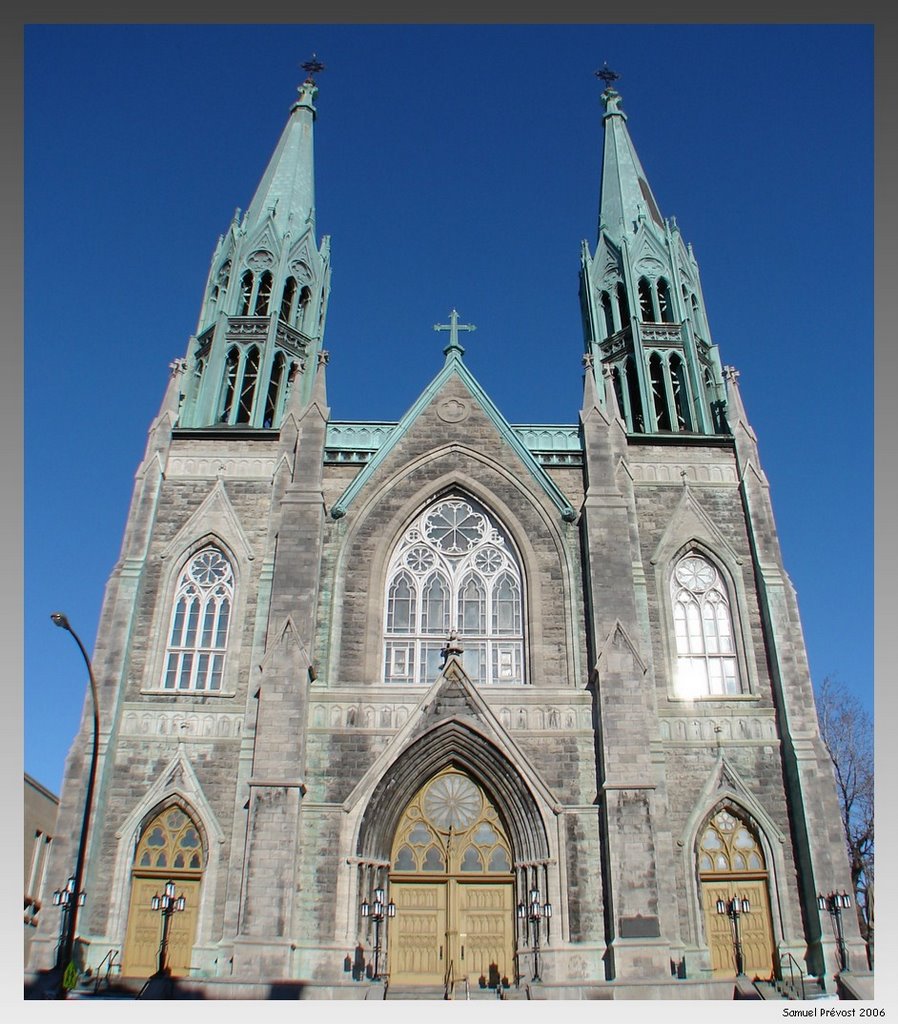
<point x="287" y="189"/>
<point x="643" y="312"/>
<point x="261" y="325"/>
<point x="626" y="196"/>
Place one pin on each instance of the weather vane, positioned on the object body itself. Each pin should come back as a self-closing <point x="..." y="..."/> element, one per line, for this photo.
<point x="607" y="75"/>
<point x="312" y="67"/>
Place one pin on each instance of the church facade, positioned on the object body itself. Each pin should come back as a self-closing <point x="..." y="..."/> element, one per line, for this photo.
<point x="449" y="701"/>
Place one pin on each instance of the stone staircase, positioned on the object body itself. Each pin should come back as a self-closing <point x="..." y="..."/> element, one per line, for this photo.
<point x="812" y="989"/>
<point x="473" y="993"/>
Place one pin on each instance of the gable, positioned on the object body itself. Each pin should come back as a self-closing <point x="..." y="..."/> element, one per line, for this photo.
<point x="454" y="411"/>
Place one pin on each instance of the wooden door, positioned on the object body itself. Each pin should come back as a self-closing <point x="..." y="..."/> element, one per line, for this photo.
<point x="417" y="934"/>
<point x="485" y="929"/>
<point x="140" y="957"/>
<point x="755" y="929"/>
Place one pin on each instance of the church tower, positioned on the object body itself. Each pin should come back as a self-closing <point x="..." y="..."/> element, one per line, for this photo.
<point x="448" y="704"/>
<point x="643" y="311"/>
<point x="262" y="318"/>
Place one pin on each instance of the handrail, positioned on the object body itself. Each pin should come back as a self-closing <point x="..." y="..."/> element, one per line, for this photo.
<point x="791" y="960"/>
<point x="448" y="984"/>
<point x="467" y="988"/>
<point x="110" y="956"/>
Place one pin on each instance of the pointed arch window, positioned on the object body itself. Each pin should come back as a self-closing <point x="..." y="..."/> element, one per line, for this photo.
<point x="646" y="309"/>
<point x="275" y="383"/>
<point x="680" y="393"/>
<point x="454" y="569"/>
<point x="198" y="634"/>
<point x="659" y="392"/>
<point x="263" y="295"/>
<point x="232" y="364"/>
<point x="703" y="627"/>
<point x="305" y="297"/>
<point x="635" y="419"/>
<point x="623" y="304"/>
<point x="248" y="386"/>
<point x="608" y="314"/>
<point x="246" y="293"/>
<point x="664" y="304"/>
<point x="287" y="300"/>
<point x="170" y="841"/>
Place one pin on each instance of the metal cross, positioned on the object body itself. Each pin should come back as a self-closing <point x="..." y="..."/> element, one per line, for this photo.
<point x="607" y="75"/>
<point x="312" y="67"/>
<point x="453" y="327"/>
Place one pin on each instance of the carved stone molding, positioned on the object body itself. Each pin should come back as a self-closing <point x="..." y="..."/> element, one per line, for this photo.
<point x="228" y="466"/>
<point x="181" y="724"/>
<point x="674" y="473"/>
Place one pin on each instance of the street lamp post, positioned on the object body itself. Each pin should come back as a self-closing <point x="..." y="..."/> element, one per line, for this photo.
<point x="377" y="912"/>
<point x="66" y="898"/>
<point x="70" y="907"/>
<point x="167" y="904"/>
<point x="533" y="912"/>
<point x="734" y="909"/>
<point x="835" y="902"/>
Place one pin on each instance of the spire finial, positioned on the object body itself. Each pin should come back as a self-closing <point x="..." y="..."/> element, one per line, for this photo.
<point x="607" y="75"/>
<point x="453" y="327"/>
<point x="311" y="67"/>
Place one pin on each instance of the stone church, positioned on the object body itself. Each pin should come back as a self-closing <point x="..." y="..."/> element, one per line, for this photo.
<point x="446" y="703"/>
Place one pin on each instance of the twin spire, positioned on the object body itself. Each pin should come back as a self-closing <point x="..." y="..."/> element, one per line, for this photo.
<point x="261" y="326"/>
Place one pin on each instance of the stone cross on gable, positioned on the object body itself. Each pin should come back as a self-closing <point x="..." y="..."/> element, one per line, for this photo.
<point x="453" y="327"/>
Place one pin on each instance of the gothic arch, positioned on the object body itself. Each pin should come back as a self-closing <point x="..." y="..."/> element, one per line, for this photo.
<point x="453" y="744"/>
<point x="382" y="542"/>
<point x="691" y="527"/>
<point x="176" y="786"/>
<point x="737" y="597"/>
<point x="724" y="787"/>
<point x="725" y="796"/>
<point x="175" y="559"/>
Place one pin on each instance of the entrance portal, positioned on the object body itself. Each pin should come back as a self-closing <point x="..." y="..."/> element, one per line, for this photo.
<point x="731" y="864"/>
<point x="452" y="882"/>
<point x="170" y="849"/>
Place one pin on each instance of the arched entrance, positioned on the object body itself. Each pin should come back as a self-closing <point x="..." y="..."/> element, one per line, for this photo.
<point x="452" y="881"/>
<point x="731" y="864"/>
<point x="170" y="848"/>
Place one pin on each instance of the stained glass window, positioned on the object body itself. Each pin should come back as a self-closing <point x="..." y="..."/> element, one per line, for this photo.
<point x="727" y="846"/>
<point x="703" y="628"/>
<point x="451" y="826"/>
<point x="170" y="840"/>
<point x="198" y="635"/>
<point x="454" y="569"/>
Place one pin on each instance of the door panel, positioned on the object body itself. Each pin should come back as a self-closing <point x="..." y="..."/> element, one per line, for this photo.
<point x="417" y="934"/>
<point x="485" y="929"/>
<point x="140" y="957"/>
<point x="755" y="928"/>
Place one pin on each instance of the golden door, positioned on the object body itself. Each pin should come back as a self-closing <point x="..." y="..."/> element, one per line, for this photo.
<point x="451" y="929"/>
<point x="417" y="937"/>
<point x="485" y="933"/>
<point x="452" y="881"/>
<point x="140" y="957"/>
<point x="756" y="933"/>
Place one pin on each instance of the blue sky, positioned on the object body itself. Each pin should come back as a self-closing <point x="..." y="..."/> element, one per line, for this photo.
<point x="457" y="166"/>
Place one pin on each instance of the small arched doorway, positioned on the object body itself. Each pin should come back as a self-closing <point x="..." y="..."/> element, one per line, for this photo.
<point x="452" y="881"/>
<point x="731" y="864"/>
<point x="170" y="849"/>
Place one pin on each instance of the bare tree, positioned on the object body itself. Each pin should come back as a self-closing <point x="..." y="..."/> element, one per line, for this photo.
<point x="847" y="731"/>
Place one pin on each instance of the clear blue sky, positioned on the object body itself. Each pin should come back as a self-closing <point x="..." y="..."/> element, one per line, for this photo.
<point x="456" y="166"/>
